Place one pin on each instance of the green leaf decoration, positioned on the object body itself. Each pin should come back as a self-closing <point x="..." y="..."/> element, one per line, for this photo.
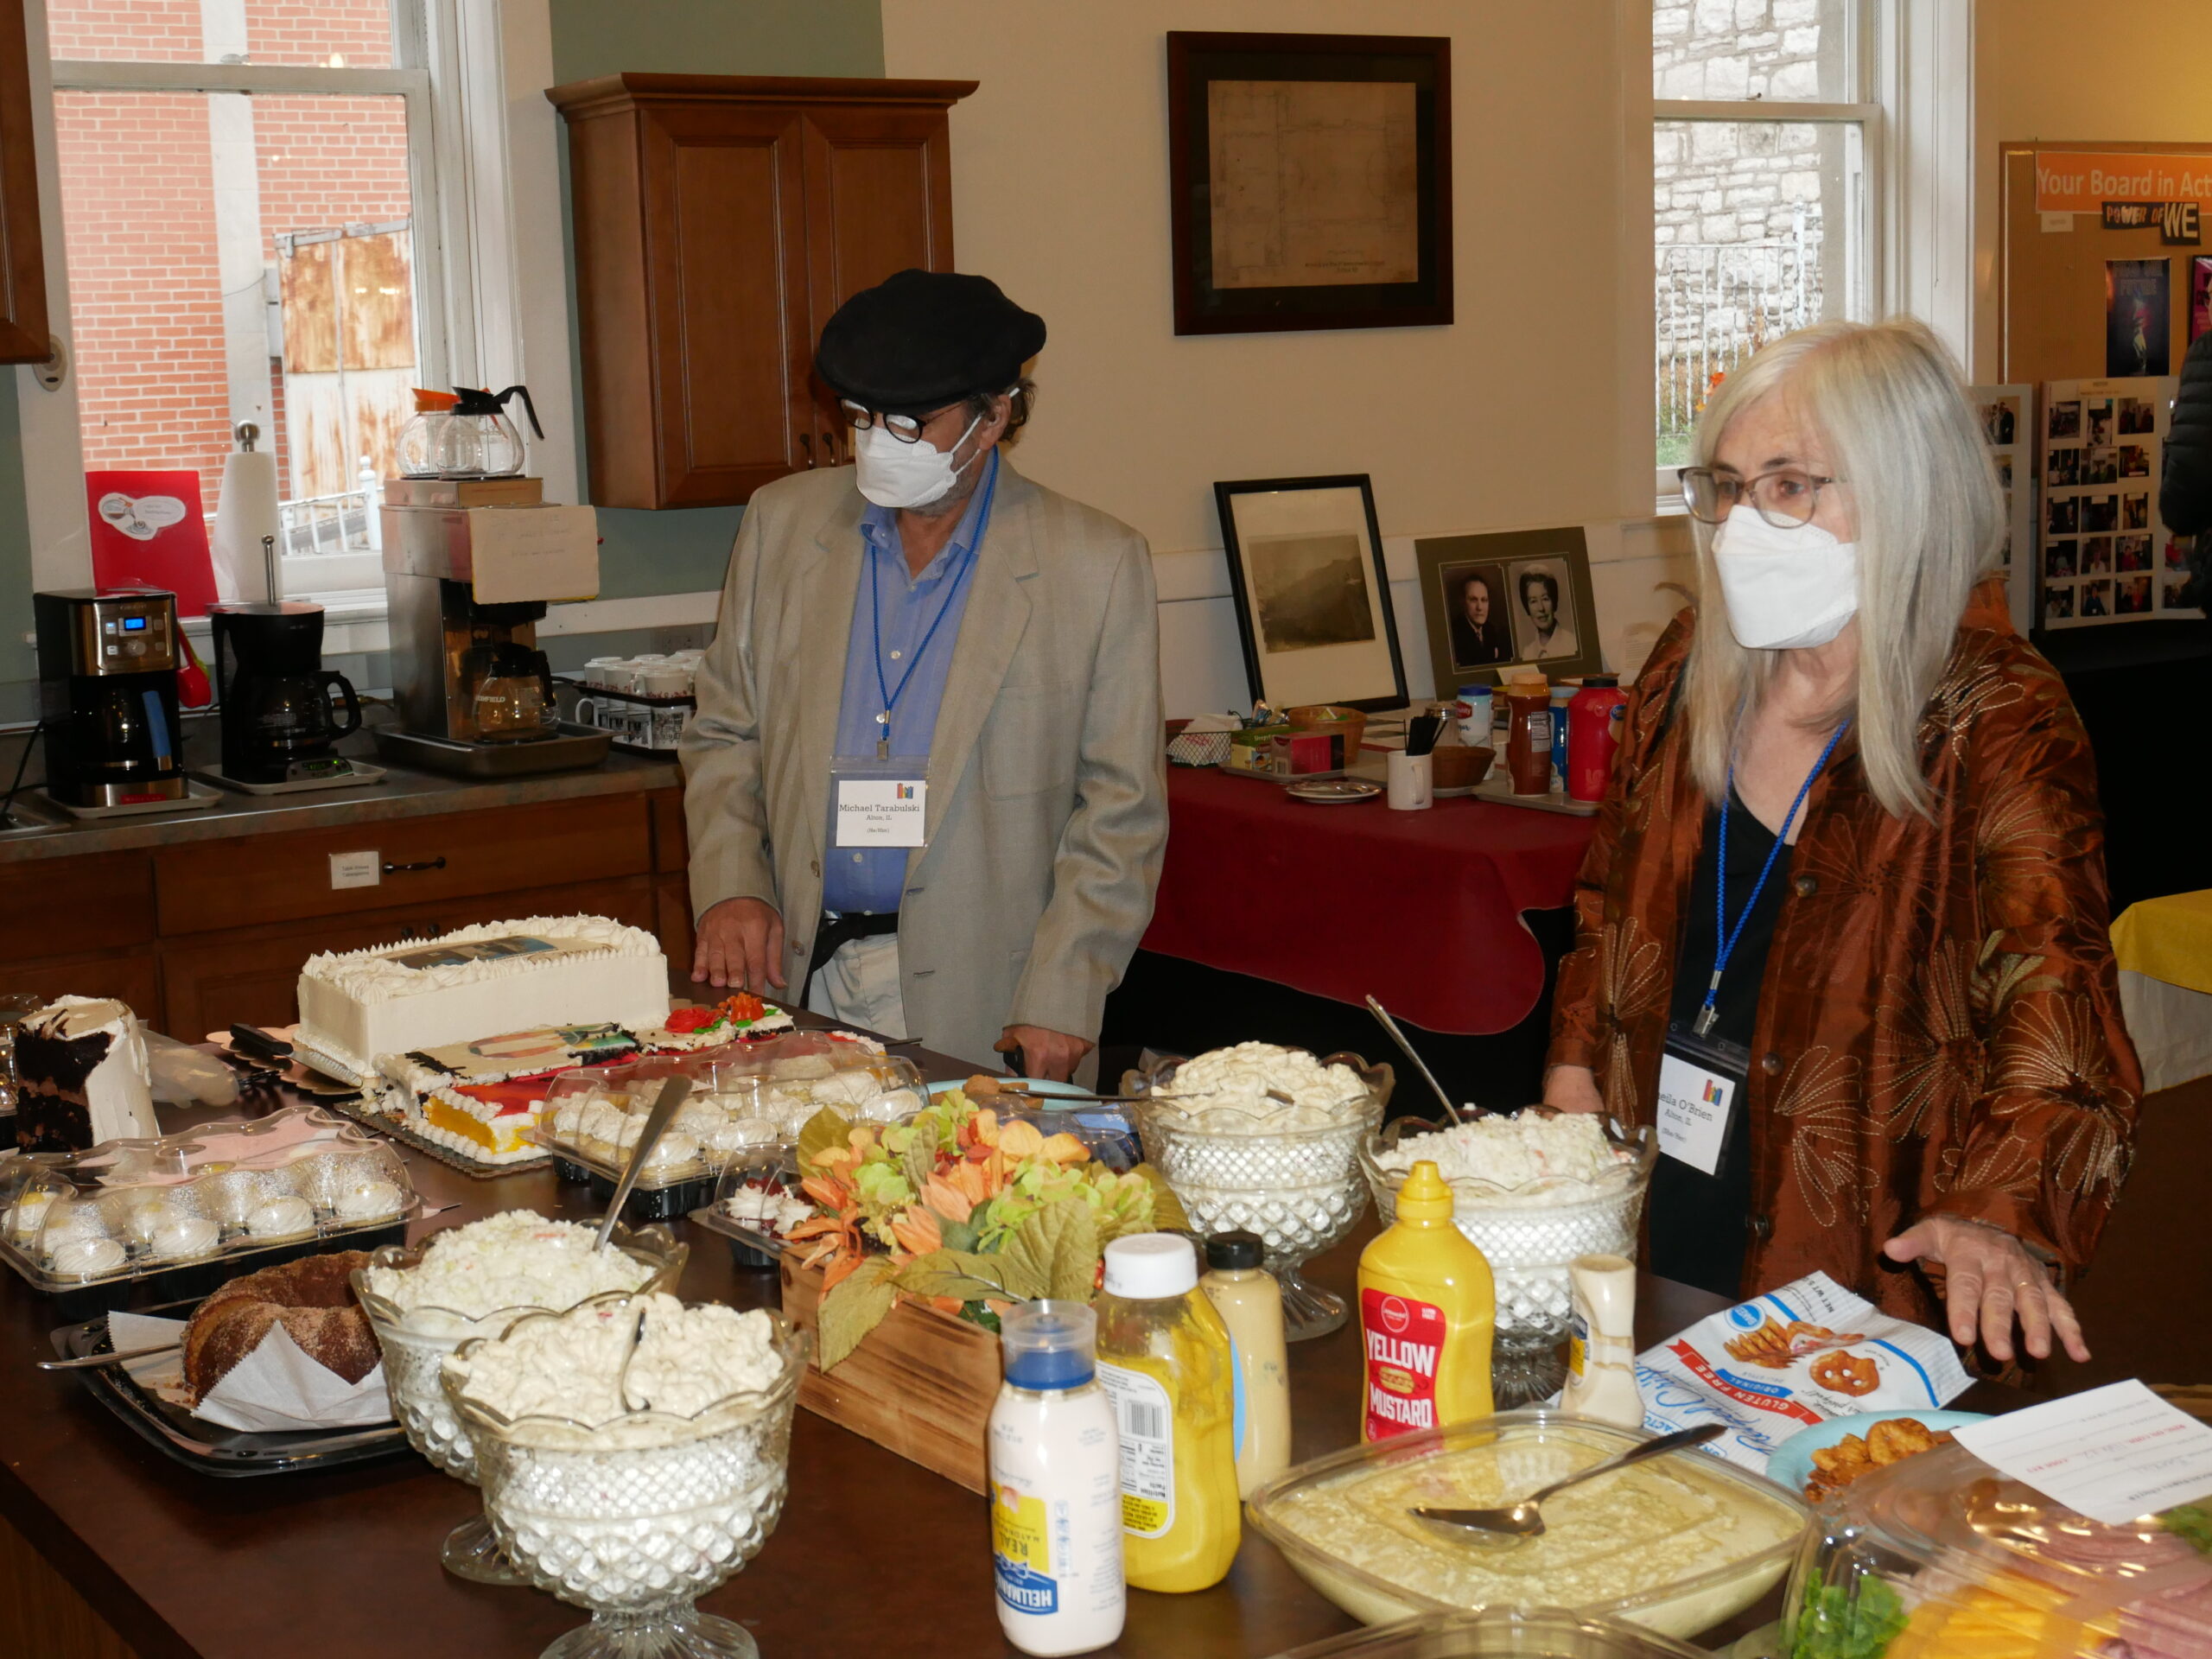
<point x="946" y="1272"/>
<point x="860" y="1303"/>
<point x="1167" y="1209"/>
<point x="825" y="1131"/>
<point x="920" y="1161"/>
<point x="958" y="1234"/>
<point x="1056" y="1248"/>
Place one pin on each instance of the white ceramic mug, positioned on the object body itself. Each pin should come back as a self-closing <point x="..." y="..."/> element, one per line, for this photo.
<point x="1410" y="776"/>
<point x="665" y="680"/>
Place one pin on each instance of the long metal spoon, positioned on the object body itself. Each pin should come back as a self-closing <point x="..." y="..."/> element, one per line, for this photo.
<point x="88" y="1362"/>
<point x="1524" y="1520"/>
<point x="1419" y="1064"/>
<point x="656" y="1121"/>
<point x="637" y="1341"/>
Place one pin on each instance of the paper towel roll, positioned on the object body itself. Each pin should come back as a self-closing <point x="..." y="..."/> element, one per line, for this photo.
<point x="245" y="513"/>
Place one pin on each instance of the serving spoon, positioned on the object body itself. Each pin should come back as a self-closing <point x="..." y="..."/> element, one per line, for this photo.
<point x="1524" y="1520"/>
<point x="1419" y="1064"/>
<point x="656" y="1121"/>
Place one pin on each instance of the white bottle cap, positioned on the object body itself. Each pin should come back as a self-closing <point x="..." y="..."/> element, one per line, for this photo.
<point x="1147" y="1266"/>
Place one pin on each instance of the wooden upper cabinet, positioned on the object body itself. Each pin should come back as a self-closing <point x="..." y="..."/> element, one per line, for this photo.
<point x="720" y="221"/>
<point x="23" y="337"/>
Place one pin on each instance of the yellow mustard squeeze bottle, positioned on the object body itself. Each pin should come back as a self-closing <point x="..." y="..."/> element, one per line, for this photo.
<point x="1164" y="1361"/>
<point x="1427" y="1306"/>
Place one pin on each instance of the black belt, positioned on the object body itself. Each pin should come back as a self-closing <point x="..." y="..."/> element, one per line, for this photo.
<point x="833" y="931"/>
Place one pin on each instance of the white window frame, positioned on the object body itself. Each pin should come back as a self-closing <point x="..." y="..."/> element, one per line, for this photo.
<point x="1909" y="71"/>
<point x="483" y="175"/>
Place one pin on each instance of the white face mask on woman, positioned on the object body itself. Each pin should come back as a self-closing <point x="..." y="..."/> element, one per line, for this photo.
<point x="1785" y="588"/>
<point x="895" y="474"/>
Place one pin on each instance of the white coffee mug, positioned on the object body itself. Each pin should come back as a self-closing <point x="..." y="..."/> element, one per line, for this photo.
<point x="663" y="680"/>
<point x="1410" y="786"/>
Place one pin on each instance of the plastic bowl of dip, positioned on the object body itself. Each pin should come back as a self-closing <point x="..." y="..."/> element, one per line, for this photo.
<point x="1677" y="1545"/>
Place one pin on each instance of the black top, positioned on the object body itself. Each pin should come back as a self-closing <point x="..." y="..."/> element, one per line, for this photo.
<point x="1698" y="1221"/>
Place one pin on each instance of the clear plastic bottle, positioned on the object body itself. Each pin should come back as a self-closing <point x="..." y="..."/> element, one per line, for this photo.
<point x="1055" y="1486"/>
<point x="1164" y="1360"/>
<point x="1250" y="1304"/>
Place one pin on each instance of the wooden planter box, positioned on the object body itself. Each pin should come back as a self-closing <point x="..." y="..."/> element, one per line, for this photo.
<point x="920" y="1385"/>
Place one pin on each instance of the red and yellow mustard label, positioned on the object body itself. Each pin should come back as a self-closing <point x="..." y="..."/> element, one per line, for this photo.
<point x="1400" y="1341"/>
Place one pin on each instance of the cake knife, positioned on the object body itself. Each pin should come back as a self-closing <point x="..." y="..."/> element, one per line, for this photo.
<point x="656" y="1121"/>
<point x="88" y="1361"/>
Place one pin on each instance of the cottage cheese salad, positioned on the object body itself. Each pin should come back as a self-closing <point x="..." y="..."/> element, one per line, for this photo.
<point x="515" y="1259"/>
<point x="1260" y="1089"/>
<point x="1561" y="1159"/>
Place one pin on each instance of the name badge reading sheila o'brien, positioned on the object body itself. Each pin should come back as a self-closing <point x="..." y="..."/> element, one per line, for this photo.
<point x="881" y="811"/>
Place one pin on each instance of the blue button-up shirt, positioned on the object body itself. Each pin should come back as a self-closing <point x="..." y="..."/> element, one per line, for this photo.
<point x="874" y="878"/>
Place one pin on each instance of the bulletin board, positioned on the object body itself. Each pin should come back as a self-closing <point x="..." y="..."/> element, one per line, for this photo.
<point x="2054" y="280"/>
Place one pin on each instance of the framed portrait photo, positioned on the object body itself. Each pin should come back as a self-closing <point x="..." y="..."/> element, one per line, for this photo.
<point x="1313" y="599"/>
<point x="1514" y="600"/>
<point x="1310" y="181"/>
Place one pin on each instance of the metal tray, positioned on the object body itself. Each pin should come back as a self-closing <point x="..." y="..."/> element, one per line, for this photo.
<point x="208" y="1448"/>
<point x="575" y="748"/>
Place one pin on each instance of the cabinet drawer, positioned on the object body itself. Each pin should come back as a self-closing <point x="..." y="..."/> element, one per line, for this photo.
<point x="52" y="905"/>
<point x="254" y="880"/>
<point x="132" y="977"/>
<point x="252" y="974"/>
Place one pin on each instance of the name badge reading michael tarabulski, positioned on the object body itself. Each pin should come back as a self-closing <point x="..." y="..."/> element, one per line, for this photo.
<point x="881" y="811"/>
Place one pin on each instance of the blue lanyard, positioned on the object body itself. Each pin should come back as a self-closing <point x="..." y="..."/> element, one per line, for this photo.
<point x="1725" y="936"/>
<point x="891" y="695"/>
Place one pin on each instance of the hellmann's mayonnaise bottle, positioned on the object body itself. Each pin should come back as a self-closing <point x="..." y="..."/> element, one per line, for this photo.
<point x="1427" y="1306"/>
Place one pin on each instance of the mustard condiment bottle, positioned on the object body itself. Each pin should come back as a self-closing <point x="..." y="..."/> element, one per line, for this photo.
<point x="1164" y="1361"/>
<point x="1427" y="1307"/>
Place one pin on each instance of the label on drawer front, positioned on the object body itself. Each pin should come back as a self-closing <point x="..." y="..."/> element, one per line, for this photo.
<point x="356" y="870"/>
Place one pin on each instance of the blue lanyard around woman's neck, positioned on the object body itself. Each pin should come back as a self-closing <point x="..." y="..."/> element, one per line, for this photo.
<point x="1725" y="937"/>
<point x="891" y="694"/>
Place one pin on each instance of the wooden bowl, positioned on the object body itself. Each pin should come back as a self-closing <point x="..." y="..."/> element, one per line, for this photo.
<point x="1454" y="766"/>
<point x="1331" y="717"/>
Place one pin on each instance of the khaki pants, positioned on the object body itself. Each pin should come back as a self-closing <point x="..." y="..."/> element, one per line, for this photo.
<point x="859" y="986"/>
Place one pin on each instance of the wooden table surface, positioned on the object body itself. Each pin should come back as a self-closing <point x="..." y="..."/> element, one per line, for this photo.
<point x="872" y="1555"/>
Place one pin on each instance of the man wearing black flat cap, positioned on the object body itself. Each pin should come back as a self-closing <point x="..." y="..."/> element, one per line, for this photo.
<point x="924" y="781"/>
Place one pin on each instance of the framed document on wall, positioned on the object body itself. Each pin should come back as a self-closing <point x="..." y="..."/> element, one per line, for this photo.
<point x="1313" y="598"/>
<point x="1310" y="181"/>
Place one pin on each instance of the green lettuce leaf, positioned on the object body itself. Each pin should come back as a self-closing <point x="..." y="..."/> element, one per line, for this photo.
<point x="1848" y="1621"/>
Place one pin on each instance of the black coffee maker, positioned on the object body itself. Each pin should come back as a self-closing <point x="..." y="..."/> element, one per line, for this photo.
<point x="107" y="667"/>
<point x="282" y="709"/>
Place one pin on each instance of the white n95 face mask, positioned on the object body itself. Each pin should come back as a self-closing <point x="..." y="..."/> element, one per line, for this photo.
<point x="895" y="474"/>
<point x="1785" y="588"/>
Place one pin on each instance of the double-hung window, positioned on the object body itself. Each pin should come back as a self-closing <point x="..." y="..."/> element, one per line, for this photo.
<point x="1765" y="137"/>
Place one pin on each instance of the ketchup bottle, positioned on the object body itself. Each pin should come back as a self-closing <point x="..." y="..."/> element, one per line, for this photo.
<point x="1593" y="735"/>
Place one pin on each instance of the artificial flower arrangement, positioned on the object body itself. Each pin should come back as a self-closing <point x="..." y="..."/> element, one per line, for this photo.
<point x="962" y="1209"/>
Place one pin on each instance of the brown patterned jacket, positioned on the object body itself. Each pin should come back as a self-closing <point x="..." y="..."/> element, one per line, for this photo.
<point x="1939" y="1026"/>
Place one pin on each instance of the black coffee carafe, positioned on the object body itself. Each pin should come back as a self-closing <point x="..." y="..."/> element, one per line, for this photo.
<point x="281" y="708"/>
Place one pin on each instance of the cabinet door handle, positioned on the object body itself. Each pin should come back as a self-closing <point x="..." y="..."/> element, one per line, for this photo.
<point x="806" y="442"/>
<point x="425" y="864"/>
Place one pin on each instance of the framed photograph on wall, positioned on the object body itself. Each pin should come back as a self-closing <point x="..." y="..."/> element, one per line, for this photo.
<point x="1517" y="599"/>
<point x="1310" y="181"/>
<point x="1313" y="599"/>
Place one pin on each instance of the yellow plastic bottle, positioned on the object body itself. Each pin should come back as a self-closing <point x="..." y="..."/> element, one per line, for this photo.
<point x="1164" y="1361"/>
<point x="1427" y="1307"/>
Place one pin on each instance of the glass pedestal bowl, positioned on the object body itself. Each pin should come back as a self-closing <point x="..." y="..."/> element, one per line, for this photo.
<point x="636" y="1518"/>
<point x="416" y="1342"/>
<point x="1299" y="1189"/>
<point x="1530" y="1235"/>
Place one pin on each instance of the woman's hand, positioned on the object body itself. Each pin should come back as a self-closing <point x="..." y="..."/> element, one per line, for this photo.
<point x="1989" y="1279"/>
<point x="1572" y="1089"/>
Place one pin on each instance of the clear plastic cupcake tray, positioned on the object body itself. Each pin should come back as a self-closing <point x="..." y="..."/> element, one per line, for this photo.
<point x="226" y="1193"/>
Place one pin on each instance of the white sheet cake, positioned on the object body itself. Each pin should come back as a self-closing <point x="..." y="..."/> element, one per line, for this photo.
<point x="479" y="981"/>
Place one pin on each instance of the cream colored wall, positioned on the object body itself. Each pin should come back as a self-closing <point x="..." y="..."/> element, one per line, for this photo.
<point x="2050" y="70"/>
<point x="1529" y="411"/>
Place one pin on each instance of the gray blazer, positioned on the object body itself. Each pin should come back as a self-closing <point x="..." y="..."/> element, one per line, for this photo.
<point x="1047" y="809"/>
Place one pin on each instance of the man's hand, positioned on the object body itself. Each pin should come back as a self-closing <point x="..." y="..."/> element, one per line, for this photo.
<point x="1989" y="1279"/>
<point x="1572" y="1089"/>
<point x="741" y="944"/>
<point x="1050" y="1054"/>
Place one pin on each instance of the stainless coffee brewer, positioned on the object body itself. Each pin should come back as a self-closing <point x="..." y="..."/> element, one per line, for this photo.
<point x="107" y="666"/>
<point x="475" y="694"/>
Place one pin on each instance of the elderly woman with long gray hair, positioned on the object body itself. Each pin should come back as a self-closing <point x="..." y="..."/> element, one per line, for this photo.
<point x="1843" y="928"/>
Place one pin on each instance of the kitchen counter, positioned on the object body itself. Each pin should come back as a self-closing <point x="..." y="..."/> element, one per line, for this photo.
<point x="402" y="794"/>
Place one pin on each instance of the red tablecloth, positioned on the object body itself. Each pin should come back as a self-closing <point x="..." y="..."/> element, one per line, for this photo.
<point x="1421" y="909"/>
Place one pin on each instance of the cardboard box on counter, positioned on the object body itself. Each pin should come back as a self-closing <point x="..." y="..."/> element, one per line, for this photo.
<point x="464" y="492"/>
<point x="504" y="553"/>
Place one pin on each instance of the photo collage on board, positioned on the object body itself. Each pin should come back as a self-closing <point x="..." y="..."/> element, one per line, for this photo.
<point x="2008" y="424"/>
<point x="2105" y="556"/>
